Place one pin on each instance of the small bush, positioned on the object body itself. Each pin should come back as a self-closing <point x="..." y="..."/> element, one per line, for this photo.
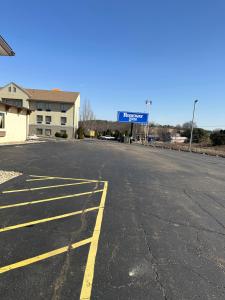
<point x="80" y="133"/>
<point x="218" y="137"/>
<point x="57" y="134"/>
<point x="64" y="135"/>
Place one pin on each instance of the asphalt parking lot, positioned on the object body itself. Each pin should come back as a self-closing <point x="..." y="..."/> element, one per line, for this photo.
<point x="101" y="220"/>
<point x="38" y="225"/>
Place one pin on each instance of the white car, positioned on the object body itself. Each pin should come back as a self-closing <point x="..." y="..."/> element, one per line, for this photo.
<point x="107" y="137"/>
<point x="33" y="137"/>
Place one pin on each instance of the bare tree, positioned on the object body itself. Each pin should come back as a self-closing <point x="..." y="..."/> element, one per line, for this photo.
<point x="164" y="134"/>
<point x="87" y="113"/>
<point x="87" y="116"/>
<point x="188" y="125"/>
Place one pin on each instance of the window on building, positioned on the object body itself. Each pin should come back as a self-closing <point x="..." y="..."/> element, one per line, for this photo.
<point x="39" y="106"/>
<point x="2" y="120"/>
<point x="9" y="89"/>
<point x="63" y="131"/>
<point x="18" y="103"/>
<point x="48" y="119"/>
<point x="39" y="131"/>
<point x="63" y="120"/>
<point x="14" y="89"/>
<point x="15" y="102"/>
<point x="48" y="132"/>
<point x="48" y="106"/>
<point x="39" y="119"/>
<point x="64" y="107"/>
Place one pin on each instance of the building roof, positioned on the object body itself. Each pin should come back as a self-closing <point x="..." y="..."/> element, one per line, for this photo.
<point x="52" y="95"/>
<point x="5" y="49"/>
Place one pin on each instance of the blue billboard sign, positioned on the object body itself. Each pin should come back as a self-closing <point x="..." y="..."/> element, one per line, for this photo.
<point x="132" y="117"/>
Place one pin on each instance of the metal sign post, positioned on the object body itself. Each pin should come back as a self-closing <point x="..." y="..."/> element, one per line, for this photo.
<point x="131" y="129"/>
<point x="148" y="105"/>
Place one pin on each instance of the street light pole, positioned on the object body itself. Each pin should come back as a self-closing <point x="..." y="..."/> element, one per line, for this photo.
<point x="192" y="125"/>
<point x="148" y="105"/>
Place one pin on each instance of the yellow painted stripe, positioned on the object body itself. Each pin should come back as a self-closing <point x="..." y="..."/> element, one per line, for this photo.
<point x="45" y="187"/>
<point x="39" y="176"/>
<point x="35" y="222"/>
<point x="43" y="256"/>
<point x="64" y="178"/>
<point x="90" y="266"/>
<point x="39" y="179"/>
<point x="49" y="199"/>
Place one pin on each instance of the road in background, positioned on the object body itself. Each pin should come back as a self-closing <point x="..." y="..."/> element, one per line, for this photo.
<point x="163" y="229"/>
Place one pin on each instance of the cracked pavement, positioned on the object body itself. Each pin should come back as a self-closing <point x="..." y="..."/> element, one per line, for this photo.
<point x="163" y="230"/>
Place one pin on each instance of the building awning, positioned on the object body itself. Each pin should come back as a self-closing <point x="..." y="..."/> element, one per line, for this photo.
<point x="5" y="49"/>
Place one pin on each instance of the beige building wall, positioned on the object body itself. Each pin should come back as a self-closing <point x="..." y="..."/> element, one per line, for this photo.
<point x="15" y="129"/>
<point x="77" y="113"/>
<point x="55" y="113"/>
<point x="18" y="94"/>
<point x="71" y="114"/>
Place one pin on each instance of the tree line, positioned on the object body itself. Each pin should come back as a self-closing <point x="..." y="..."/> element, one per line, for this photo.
<point x="89" y="125"/>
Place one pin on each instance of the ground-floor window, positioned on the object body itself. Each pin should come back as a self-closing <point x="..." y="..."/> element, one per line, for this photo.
<point x="39" y="131"/>
<point x="2" y="120"/>
<point x="48" y="132"/>
<point x="63" y="131"/>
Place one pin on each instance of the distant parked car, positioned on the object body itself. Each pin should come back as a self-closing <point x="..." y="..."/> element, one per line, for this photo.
<point x="33" y="137"/>
<point x="107" y="137"/>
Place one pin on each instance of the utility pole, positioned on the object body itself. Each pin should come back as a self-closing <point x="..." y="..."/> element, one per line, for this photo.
<point x="148" y="105"/>
<point x="192" y="125"/>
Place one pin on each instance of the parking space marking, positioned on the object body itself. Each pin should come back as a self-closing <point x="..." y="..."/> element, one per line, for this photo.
<point x="35" y="222"/>
<point x="39" y="179"/>
<point x="87" y="283"/>
<point x="49" y="199"/>
<point x="45" y="187"/>
<point x="90" y="266"/>
<point x="43" y="256"/>
<point x="62" y="178"/>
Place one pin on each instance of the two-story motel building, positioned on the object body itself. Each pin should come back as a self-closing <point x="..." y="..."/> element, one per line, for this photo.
<point x="51" y="111"/>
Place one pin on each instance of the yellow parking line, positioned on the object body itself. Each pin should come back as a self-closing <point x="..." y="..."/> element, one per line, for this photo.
<point x="39" y="176"/>
<point x="74" y="213"/>
<point x="39" y="179"/>
<point x="44" y="187"/>
<point x="43" y="256"/>
<point x="63" y="178"/>
<point x="49" y="199"/>
<point x="90" y="266"/>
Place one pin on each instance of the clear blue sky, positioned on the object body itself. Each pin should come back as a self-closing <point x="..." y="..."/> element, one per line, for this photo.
<point x="118" y="53"/>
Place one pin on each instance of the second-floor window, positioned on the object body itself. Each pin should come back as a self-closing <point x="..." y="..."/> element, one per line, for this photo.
<point x="39" y="119"/>
<point x="48" y="106"/>
<point x="63" y="107"/>
<point x="39" y="106"/>
<point x="48" y="119"/>
<point x="63" y="120"/>
<point x="15" y="102"/>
